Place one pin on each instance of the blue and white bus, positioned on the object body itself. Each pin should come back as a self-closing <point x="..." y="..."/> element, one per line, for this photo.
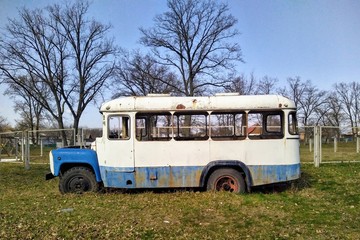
<point x="224" y="142"/>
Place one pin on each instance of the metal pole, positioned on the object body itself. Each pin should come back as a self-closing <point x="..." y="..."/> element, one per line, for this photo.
<point x="22" y="147"/>
<point x="41" y="147"/>
<point x="79" y="140"/>
<point x="320" y="144"/>
<point x="27" y="154"/>
<point x="74" y="137"/>
<point x="16" y="148"/>
<point x="316" y="146"/>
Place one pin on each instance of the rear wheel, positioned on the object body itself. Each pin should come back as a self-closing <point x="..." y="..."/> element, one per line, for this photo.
<point x="78" y="180"/>
<point x="226" y="179"/>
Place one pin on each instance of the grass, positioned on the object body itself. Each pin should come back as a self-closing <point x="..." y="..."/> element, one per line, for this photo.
<point x="345" y="152"/>
<point x="323" y="204"/>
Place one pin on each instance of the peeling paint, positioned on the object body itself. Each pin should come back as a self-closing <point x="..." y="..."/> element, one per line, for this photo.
<point x="189" y="176"/>
<point x="266" y="174"/>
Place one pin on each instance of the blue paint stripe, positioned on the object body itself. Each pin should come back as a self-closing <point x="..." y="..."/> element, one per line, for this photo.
<point x="188" y="176"/>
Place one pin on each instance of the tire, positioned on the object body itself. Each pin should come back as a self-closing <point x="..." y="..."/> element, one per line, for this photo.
<point x="78" y="180"/>
<point x="226" y="179"/>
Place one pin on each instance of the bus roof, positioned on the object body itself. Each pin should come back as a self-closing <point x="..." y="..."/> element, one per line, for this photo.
<point x="158" y="102"/>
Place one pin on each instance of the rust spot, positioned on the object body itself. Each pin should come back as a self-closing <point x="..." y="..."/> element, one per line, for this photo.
<point x="180" y="106"/>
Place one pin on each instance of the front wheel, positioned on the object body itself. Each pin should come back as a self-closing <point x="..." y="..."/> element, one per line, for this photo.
<point x="226" y="179"/>
<point x="78" y="180"/>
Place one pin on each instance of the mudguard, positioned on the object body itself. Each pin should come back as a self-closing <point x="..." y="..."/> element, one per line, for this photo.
<point x="74" y="157"/>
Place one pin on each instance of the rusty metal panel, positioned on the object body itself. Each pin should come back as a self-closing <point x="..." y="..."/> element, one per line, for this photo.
<point x="168" y="103"/>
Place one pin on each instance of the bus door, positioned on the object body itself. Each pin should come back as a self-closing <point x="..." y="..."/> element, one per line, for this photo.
<point x="119" y="147"/>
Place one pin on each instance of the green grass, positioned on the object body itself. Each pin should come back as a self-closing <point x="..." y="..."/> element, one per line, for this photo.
<point x="345" y="152"/>
<point x="323" y="204"/>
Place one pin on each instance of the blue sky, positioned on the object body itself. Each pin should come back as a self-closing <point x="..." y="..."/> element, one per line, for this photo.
<point x="317" y="40"/>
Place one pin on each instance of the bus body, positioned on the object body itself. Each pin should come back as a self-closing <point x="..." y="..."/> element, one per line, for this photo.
<point x="222" y="142"/>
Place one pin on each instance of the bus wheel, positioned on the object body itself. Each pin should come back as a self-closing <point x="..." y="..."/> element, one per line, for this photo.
<point x="78" y="180"/>
<point x="226" y="179"/>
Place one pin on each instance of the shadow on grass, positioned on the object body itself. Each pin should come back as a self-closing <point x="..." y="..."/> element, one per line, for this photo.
<point x="297" y="185"/>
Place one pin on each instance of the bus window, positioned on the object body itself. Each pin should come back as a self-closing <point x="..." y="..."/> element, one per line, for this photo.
<point x="265" y="125"/>
<point x="293" y="129"/>
<point x="153" y="127"/>
<point x="118" y="127"/>
<point x="273" y="123"/>
<point x="255" y="128"/>
<point x="191" y="126"/>
<point x="227" y="126"/>
<point x="141" y="129"/>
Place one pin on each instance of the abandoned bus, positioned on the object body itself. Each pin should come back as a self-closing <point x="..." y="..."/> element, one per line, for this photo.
<point x="224" y="142"/>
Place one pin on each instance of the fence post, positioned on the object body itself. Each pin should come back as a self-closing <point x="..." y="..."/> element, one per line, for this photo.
<point x="320" y="144"/>
<point x="79" y="140"/>
<point x="41" y="147"/>
<point x="74" y="134"/>
<point x="27" y="151"/>
<point x="310" y="144"/>
<point x="316" y="146"/>
<point x="335" y="144"/>
<point x="16" y="148"/>
<point x="22" y="147"/>
<point x="357" y="144"/>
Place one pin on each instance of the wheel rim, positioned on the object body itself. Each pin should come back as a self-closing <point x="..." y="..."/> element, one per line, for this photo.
<point x="78" y="184"/>
<point x="227" y="183"/>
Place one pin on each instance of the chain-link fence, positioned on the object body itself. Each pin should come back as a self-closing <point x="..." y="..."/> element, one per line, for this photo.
<point x="328" y="144"/>
<point x="318" y="144"/>
<point x="34" y="146"/>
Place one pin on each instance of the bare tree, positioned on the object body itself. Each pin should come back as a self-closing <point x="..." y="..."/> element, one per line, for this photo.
<point x="331" y="111"/>
<point x="193" y="37"/>
<point x="310" y="101"/>
<point x="330" y="114"/>
<point x="267" y="85"/>
<point x="139" y="75"/>
<point x="65" y="56"/>
<point x="243" y="85"/>
<point x="4" y="125"/>
<point x="295" y="90"/>
<point x="349" y="97"/>
<point x="30" y="110"/>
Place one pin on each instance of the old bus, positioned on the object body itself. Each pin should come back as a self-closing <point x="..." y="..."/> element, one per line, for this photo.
<point x="224" y="142"/>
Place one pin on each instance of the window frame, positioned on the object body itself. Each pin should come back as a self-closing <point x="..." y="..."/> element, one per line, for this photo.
<point x="176" y="126"/>
<point x="127" y="129"/>
<point x="293" y="124"/>
<point x="234" y="136"/>
<point x="265" y="133"/>
<point x="148" y="136"/>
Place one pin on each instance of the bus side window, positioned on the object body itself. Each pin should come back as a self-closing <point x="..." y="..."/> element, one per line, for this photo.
<point x="118" y="127"/>
<point x="265" y="125"/>
<point x="154" y="126"/>
<point x="293" y="128"/>
<point x="191" y="126"/>
<point x="273" y="123"/>
<point x="141" y="129"/>
<point x="227" y="126"/>
<point x="255" y="126"/>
